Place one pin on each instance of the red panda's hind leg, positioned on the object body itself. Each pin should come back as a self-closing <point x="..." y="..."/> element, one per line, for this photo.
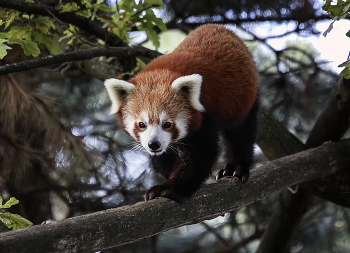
<point x="239" y="147"/>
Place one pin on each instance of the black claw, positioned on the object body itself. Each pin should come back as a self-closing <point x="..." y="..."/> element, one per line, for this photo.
<point x="220" y="175"/>
<point x="243" y="178"/>
<point x="231" y="170"/>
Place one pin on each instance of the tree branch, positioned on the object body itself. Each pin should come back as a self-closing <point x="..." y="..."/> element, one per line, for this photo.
<point x="334" y="121"/>
<point x="275" y="140"/>
<point x="288" y="213"/>
<point x="78" y="56"/>
<point x="127" y="224"/>
<point x="332" y="124"/>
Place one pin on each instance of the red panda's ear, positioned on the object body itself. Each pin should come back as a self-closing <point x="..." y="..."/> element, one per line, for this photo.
<point x="190" y="86"/>
<point x="118" y="90"/>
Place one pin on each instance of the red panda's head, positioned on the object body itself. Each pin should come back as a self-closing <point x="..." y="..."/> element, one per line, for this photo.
<point x="156" y="114"/>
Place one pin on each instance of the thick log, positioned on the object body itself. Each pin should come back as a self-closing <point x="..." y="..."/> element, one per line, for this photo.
<point x="100" y="230"/>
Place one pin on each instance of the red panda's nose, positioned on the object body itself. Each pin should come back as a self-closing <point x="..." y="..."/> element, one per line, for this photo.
<point x="154" y="145"/>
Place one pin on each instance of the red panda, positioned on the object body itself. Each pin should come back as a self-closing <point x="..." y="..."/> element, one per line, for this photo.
<point x="179" y="105"/>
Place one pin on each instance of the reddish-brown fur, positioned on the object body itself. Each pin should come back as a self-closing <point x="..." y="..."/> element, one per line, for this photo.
<point x="230" y="81"/>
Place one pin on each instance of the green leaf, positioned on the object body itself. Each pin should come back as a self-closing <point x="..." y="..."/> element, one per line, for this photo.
<point x="127" y="5"/>
<point x="3" y="53"/>
<point x="11" y="15"/>
<point x="150" y="16"/>
<point x="121" y="33"/>
<point x="3" y="50"/>
<point x="14" y="221"/>
<point x="4" y="35"/>
<point x="345" y="73"/>
<point x="84" y="13"/>
<point x="87" y="3"/>
<point x="45" y="21"/>
<point x="29" y="47"/>
<point x="21" y="32"/>
<point x="69" y="7"/>
<point x="48" y="41"/>
<point x="345" y="64"/>
<point x="12" y="201"/>
<point x="140" y="63"/>
<point x="30" y="1"/>
<point x="1" y="201"/>
<point x="105" y="8"/>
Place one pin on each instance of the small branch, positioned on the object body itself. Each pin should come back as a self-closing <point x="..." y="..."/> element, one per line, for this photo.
<point x="222" y="19"/>
<point x="78" y="56"/>
<point x="109" y="228"/>
<point x="217" y="234"/>
<point x="244" y="242"/>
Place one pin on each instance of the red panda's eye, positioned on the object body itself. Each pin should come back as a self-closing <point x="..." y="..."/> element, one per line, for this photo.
<point x="167" y="125"/>
<point x="142" y="125"/>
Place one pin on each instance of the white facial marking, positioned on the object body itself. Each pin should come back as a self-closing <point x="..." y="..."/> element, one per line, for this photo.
<point x="181" y="124"/>
<point x="129" y="123"/>
<point x="144" y="117"/>
<point x="163" y="117"/>
<point x="155" y="133"/>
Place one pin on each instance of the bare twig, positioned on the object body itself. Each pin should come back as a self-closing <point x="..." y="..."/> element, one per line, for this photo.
<point x="217" y="235"/>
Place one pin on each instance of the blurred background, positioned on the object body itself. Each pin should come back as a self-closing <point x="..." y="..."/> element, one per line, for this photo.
<point x="63" y="155"/>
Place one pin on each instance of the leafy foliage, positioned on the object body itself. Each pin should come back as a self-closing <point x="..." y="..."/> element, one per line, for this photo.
<point x="13" y="221"/>
<point x="339" y="11"/>
<point x="31" y="33"/>
<point x="138" y="15"/>
<point x="34" y="33"/>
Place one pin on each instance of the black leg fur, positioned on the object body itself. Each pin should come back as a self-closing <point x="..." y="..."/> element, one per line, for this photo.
<point x="190" y="167"/>
<point x="239" y="147"/>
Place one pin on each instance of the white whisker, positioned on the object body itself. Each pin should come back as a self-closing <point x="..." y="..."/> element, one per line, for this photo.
<point x="178" y="152"/>
<point x="136" y="147"/>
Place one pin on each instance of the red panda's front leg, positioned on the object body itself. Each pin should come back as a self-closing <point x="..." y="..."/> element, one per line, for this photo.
<point x="189" y="168"/>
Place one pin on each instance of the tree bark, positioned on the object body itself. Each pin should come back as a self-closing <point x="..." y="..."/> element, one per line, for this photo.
<point x="127" y="224"/>
<point x="122" y="52"/>
<point x="275" y="140"/>
<point x="332" y="124"/>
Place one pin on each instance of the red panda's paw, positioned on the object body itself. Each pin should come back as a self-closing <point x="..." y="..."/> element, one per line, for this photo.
<point x="242" y="175"/>
<point x="163" y="191"/>
<point x="231" y="170"/>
